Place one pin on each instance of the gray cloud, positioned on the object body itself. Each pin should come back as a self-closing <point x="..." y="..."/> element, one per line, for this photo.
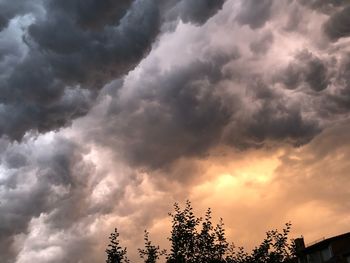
<point x="201" y="90"/>
<point x="337" y="102"/>
<point x="198" y="11"/>
<point x="255" y="13"/>
<point x="325" y="6"/>
<point x="51" y="195"/>
<point x="190" y="11"/>
<point x="262" y="45"/>
<point x="55" y="61"/>
<point x="27" y="186"/>
<point x="338" y="24"/>
<point x="308" y="70"/>
<point x="9" y="10"/>
<point x="91" y="14"/>
<point x="272" y="120"/>
<point x="67" y="54"/>
<point x="77" y="46"/>
<point x="178" y="113"/>
<point x="188" y="110"/>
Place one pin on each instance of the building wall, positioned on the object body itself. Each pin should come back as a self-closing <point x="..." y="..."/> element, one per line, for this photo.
<point x="335" y="251"/>
<point x="341" y="247"/>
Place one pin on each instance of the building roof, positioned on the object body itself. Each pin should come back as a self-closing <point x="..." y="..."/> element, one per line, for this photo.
<point x="325" y="242"/>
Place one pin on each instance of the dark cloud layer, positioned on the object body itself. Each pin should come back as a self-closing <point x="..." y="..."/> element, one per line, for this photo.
<point x="326" y="6"/>
<point x="178" y="113"/>
<point x="198" y="11"/>
<point x="77" y="46"/>
<point x="10" y="9"/>
<point x="255" y="13"/>
<point x="262" y="45"/>
<point x="65" y="54"/>
<point x="188" y="110"/>
<point x="308" y="70"/>
<point x="338" y="24"/>
<point x="28" y="186"/>
<point x="68" y="51"/>
<point x="245" y="79"/>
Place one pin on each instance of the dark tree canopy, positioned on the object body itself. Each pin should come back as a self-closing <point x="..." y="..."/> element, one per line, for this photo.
<point x="197" y="240"/>
<point x="151" y="253"/>
<point x="115" y="253"/>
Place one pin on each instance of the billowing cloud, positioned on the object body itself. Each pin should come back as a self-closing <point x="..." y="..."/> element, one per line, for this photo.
<point x="198" y="11"/>
<point x="34" y="182"/>
<point x="73" y="49"/>
<point x="326" y="6"/>
<point x="262" y="45"/>
<point x="255" y="13"/>
<point x="307" y="70"/>
<point x="338" y="24"/>
<point x="9" y="10"/>
<point x="112" y="109"/>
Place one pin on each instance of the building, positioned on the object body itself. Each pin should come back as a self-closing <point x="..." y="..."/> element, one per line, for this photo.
<point x="334" y="249"/>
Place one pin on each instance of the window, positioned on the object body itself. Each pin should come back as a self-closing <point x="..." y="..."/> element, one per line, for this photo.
<point x="326" y="254"/>
<point x="314" y="257"/>
<point x="320" y="256"/>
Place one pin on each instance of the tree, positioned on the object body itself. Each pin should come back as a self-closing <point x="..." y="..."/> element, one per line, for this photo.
<point x="183" y="235"/>
<point x="205" y="245"/>
<point x="115" y="253"/>
<point x="275" y="248"/>
<point x="221" y="245"/>
<point x="151" y="253"/>
<point x="196" y="240"/>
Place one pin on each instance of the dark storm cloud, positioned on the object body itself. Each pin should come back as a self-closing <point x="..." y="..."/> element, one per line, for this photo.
<point x="262" y="45"/>
<point x="338" y="101"/>
<point x="27" y="185"/>
<point x="306" y="69"/>
<point x="91" y="13"/>
<point x="326" y="6"/>
<point x="338" y="25"/>
<point x="70" y="50"/>
<point x="49" y="182"/>
<point x="255" y="13"/>
<point x="17" y="118"/>
<point x="10" y="9"/>
<point x="190" y="11"/>
<point x="162" y="113"/>
<point x="188" y="110"/>
<point x="294" y="20"/>
<point x="272" y="120"/>
<point x="79" y="45"/>
<point x="176" y="113"/>
<point x="67" y="53"/>
<point x="198" y="11"/>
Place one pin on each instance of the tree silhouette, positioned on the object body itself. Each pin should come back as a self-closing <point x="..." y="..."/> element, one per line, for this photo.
<point x="205" y="246"/>
<point x="196" y="240"/>
<point x="221" y="244"/>
<point x="275" y="248"/>
<point x="151" y="253"/>
<point x="183" y="235"/>
<point x="115" y="253"/>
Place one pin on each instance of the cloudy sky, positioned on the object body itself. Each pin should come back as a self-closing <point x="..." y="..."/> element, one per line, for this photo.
<point x="111" y="111"/>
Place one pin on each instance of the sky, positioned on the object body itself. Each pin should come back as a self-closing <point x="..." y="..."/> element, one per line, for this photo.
<point x="111" y="111"/>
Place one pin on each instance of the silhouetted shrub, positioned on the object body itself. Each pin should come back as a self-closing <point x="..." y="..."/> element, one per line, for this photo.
<point x="197" y="240"/>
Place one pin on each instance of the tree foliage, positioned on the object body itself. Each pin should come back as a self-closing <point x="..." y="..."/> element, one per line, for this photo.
<point x="197" y="240"/>
<point x="115" y="253"/>
<point x="183" y="235"/>
<point x="151" y="253"/>
<point x="275" y="248"/>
